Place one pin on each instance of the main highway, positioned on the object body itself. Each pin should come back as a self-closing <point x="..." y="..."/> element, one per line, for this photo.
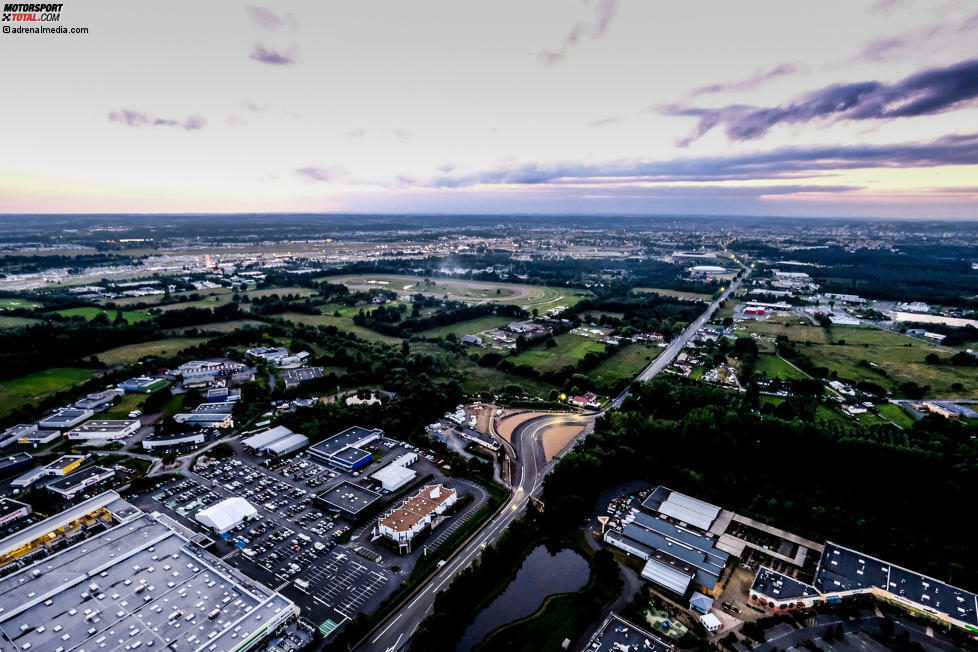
<point x="531" y="467"/>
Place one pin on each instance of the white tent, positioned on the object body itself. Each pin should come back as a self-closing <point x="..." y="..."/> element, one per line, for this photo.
<point x="226" y="514"/>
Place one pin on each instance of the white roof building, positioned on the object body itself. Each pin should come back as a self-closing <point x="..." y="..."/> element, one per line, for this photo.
<point x="396" y="474"/>
<point x="689" y="510"/>
<point x="227" y="514"/>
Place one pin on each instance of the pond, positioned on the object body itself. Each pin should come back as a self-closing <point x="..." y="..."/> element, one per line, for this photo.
<point x="541" y="575"/>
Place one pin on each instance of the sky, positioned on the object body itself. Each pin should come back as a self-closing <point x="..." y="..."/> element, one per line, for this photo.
<point x="837" y="108"/>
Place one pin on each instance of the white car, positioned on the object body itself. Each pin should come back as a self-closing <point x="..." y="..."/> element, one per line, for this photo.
<point x="135" y="413"/>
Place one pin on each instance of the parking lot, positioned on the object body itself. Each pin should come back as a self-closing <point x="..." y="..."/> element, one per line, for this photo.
<point x="292" y="546"/>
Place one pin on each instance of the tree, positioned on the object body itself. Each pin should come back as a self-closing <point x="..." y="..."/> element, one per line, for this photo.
<point x="932" y="358"/>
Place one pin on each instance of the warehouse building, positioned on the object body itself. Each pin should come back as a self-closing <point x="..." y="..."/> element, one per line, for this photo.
<point x="287" y="445"/>
<point x="152" y="589"/>
<point x="415" y="516"/>
<point x="30" y="435"/>
<point x="104" y="429"/>
<point x="685" y="510"/>
<point x="349" y="500"/>
<point x="98" y="400"/>
<point x="142" y="384"/>
<point x="295" y="377"/>
<point x="14" y="463"/>
<point x="64" y="418"/>
<point x="779" y="589"/>
<point x="946" y="409"/>
<point x="11" y="510"/>
<point x="59" y="467"/>
<point x="205" y="419"/>
<point x="209" y="368"/>
<point x="619" y="635"/>
<point x="259" y="443"/>
<point x="676" y="558"/>
<point x="223" y="395"/>
<point x="215" y="407"/>
<point x="75" y="483"/>
<point x="227" y="514"/>
<point x="173" y="441"/>
<point x="18" y="434"/>
<point x="396" y="474"/>
<point x="343" y="450"/>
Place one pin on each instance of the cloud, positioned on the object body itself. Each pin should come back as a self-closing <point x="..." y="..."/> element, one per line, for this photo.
<point x="778" y="164"/>
<point x="132" y="118"/>
<point x="272" y="57"/>
<point x="318" y="174"/>
<point x="926" y="93"/>
<point x="603" y="15"/>
<point x="752" y="82"/>
<point x="270" y="20"/>
<point x="403" y="135"/>
<point x="603" y="122"/>
<point x="921" y="40"/>
<point x="254" y="107"/>
<point x="356" y="134"/>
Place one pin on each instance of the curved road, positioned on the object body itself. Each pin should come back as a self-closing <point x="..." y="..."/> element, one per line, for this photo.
<point x="394" y="632"/>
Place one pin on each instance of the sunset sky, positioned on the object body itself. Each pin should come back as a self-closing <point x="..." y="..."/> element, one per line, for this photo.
<point x="637" y="107"/>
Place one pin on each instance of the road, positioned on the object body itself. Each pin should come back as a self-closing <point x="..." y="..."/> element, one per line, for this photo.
<point x="395" y="632"/>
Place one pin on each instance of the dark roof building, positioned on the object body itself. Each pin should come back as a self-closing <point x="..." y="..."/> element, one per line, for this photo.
<point x="349" y="500"/>
<point x="343" y="450"/>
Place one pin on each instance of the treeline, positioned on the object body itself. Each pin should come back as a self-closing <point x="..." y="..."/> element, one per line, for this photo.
<point x="388" y="321"/>
<point x="18" y="264"/>
<point x="644" y="313"/>
<point x="877" y="488"/>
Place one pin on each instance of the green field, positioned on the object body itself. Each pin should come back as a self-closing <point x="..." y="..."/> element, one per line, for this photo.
<point x="17" y="322"/>
<point x="678" y="294"/>
<point x="33" y="387"/>
<point x="13" y="304"/>
<point x="342" y="323"/>
<point x="130" y="401"/>
<point x="900" y="358"/>
<point x="470" y="327"/>
<point x="220" y="326"/>
<point x="896" y="414"/>
<point x="91" y="312"/>
<point x="569" y="351"/>
<point x="776" y="367"/>
<point x="130" y="353"/>
<point x="625" y="364"/>
<point x="528" y="296"/>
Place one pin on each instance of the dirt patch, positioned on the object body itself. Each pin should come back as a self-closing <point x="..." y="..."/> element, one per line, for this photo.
<point x="507" y="422"/>
<point x="557" y="438"/>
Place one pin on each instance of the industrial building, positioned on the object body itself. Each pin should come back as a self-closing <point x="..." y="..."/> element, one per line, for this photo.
<point x="677" y="558"/>
<point x="141" y="584"/>
<point x="142" y="384"/>
<point x="349" y="500"/>
<point x="59" y="467"/>
<point x="946" y="409"/>
<point x="74" y="483"/>
<point x="19" y="434"/>
<point x="215" y="407"/>
<point x="174" y="440"/>
<point x="396" y="474"/>
<point x="343" y="450"/>
<point x="294" y="377"/>
<point x="104" y="429"/>
<point x="11" y="510"/>
<point x="479" y="438"/>
<point x="11" y="464"/>
<point x="275" y="441"/>
<point x="227" y="514"/>
<point x="223" y="395"/>
<point x="619" y="635"/>
<point x="684" y="509"/>
<point x="414" y="517"/>
<point x="278" y="356"/>
<point x="843" y="572"/>
<point x="205" y="419"/>
<point x="206" y="368"/>
<point x="98" y="400"/>
<point x="64" y="418"/>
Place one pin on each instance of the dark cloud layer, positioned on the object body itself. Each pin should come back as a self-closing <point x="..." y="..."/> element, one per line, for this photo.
<point x="785" y="163"/>
<point x="132" y="118"/>
<point x="272" y="57"/>
<point x="926" y="93"/>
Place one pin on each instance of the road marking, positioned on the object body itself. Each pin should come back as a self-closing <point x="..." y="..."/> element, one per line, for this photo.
<point x="379" y="636"/>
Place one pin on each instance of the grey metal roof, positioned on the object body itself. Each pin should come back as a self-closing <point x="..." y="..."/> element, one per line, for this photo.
<point x="772" y="584"/>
